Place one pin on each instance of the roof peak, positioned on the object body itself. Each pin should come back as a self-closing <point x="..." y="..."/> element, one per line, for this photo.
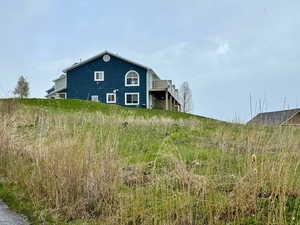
<point x="275" y="117"/>
<point x="101" y="54"/>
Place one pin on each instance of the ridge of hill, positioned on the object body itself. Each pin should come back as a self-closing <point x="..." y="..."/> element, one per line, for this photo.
<point x="79" y="162"/>
<point x="90" y="106"/>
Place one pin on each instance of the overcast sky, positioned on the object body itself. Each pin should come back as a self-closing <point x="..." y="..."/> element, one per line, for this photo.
<point x="226" y="49"/>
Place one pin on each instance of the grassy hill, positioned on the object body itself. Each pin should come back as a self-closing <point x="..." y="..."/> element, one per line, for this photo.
<point x="80" y="162"/>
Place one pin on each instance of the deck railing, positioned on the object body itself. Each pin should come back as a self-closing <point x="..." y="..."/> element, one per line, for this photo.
<point x="166" y="84"/>
<point x="162" y="83"/>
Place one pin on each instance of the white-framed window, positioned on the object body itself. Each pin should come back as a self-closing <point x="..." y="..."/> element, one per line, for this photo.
<point x="132" y="98"/>
<point x="95" y="98"/>
<point x="99" y="76"/>
<point x="132" y="78"/>
<point x="106" y="58"/>
<point x="111" y="98"/>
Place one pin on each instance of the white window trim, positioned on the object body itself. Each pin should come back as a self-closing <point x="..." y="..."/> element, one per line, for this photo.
<point x="95" y="96"/>
<point x="132" y="85"/>
<point x="132" y="93"/>
<point x="95" y="77"/>
<point x="107" y="99"/>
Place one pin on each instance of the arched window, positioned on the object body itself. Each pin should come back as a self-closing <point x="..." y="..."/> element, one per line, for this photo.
<point x="132" y="78"/>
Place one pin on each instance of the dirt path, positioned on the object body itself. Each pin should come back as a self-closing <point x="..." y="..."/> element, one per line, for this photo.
<point x="8" y="217"/>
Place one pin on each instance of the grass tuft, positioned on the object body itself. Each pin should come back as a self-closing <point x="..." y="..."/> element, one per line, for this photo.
<point x="79" y="162"/>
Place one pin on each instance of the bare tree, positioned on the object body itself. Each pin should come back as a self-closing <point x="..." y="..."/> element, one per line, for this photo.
<point x="22" y="88"/>
<point x="186" y="97"/>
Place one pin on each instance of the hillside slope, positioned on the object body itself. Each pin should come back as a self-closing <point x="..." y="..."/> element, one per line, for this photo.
<point x="74" y="105"/>
<point x="78" y="162"/>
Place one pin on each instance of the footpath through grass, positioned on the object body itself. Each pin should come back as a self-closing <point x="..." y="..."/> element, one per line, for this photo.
<point x="79" y="162"/>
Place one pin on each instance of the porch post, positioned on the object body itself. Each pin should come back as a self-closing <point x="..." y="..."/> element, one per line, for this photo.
<point x="167" y="100"/>
<point x="173" y="103"/>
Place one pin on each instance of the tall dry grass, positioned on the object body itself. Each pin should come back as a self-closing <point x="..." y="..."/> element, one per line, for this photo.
<point x="61" y="167"/>
<point x="74" y="165"/>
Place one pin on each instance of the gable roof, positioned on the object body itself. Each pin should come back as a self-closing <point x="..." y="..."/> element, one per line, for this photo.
<point x="274" y="118"/>
<point x="50" y="89"/>
<point x="54" y="91"/>
<point x="63" y="76"/>
<point x="111" y="54"/>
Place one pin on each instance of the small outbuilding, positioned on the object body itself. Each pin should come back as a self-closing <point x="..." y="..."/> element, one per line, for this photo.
<point x="277" y="118"/>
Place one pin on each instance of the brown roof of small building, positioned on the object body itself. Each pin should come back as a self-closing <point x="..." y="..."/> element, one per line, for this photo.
<point x="274" y="118"/>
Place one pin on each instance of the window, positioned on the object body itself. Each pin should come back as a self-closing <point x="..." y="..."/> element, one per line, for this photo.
<point x="62" y="95"/>
<point x="110" y="98"/>
<point x="132" y="98"/>
<point x="94" y="98"/>
<point x="99" y="76"/>
<point x="132" y="78"/>
<point x="106" y="58"/>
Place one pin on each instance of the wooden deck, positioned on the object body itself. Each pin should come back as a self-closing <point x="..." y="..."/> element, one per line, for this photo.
<point x="165" y="95"/>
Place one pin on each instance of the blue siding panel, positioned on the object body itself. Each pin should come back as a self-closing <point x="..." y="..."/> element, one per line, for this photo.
<point x="81" y="84"/>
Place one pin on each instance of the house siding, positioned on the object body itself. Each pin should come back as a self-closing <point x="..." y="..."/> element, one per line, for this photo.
<point x="60" y="84"/>
<point x="81" y="84"/>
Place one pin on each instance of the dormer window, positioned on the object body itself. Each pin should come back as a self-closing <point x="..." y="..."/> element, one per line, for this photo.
<point x="99" y="76"/>
<point x="132" y="78"/>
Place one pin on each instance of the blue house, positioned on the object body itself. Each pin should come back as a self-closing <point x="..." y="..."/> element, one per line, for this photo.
<point x="112" y="79"/>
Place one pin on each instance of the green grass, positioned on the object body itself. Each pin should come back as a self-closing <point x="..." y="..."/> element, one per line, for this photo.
<point x="160" y="167"/>
<point x="73" y="105"/>
<point x="13" y="196"/>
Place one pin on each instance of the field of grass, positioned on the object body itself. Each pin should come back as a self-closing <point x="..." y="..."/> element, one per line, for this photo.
<point x="79" y="162"/>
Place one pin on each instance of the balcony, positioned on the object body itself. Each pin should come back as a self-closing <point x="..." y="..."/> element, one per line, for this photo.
<point x="165" y="85"/>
